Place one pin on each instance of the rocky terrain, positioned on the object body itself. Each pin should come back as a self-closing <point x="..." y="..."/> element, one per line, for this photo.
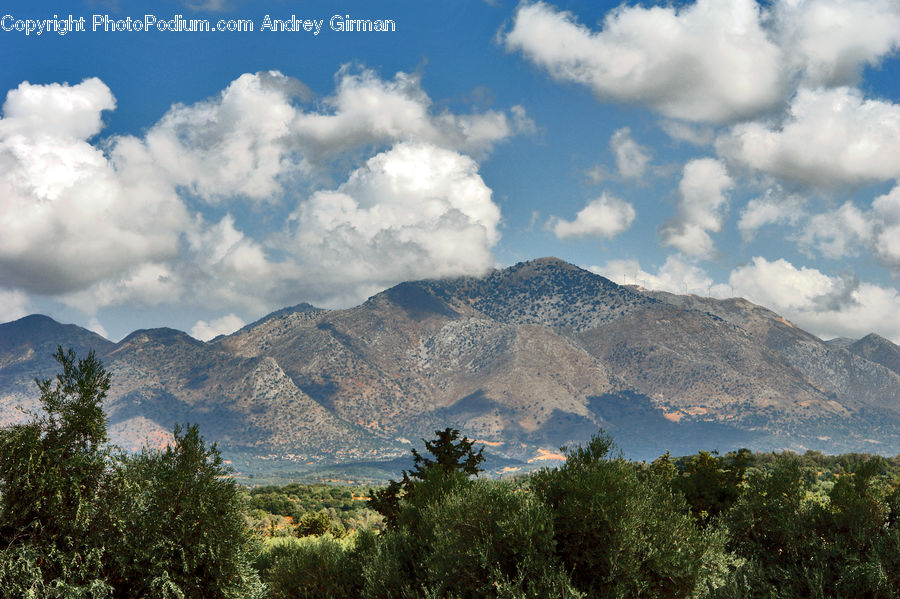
<point x="525" y="359"/>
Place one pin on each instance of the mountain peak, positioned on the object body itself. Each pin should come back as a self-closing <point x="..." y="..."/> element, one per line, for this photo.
<point x="161" y="335"/>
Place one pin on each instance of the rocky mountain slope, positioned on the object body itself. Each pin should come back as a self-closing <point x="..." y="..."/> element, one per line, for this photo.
<point x="525" y="359"/>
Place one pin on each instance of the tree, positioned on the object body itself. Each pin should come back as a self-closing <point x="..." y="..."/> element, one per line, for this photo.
<point x="617" y="533"/>
<point x="83" y="520"/>
<point x="54" y="480"/>
<point x="451" y="454"/>
<point x="193" y="541"/>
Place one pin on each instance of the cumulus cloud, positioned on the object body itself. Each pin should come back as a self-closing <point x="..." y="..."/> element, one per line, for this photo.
<point x="233" y="144"/>
<point x="848" y="229"/>
<point x="205" y="331"/>
<point x="604" y="217"/>
<point x="701" y="202"/>
<point x="365" y="109"/>
<point x="829" y="306"/>
<point x="837" y="233"/>
<point x="631" y="157"/>
<point x="885" y="221"/>
<point x="676" y="275"/>
<point x="780" y="285"/>
<point x="14" y="304"/>
<point x="831" y="137"/>
<point x="413" y="211"/>
<point x="830" y="41"/>
<point x="710" y="61"/>
<point x="775" y="207"/>
<point x="826" y="305"/>
<point x="70" y="214"/>
<point x="117" y="221"/>
<point x="692" y="134"/>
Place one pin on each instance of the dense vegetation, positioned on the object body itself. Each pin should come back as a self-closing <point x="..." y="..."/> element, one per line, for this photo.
<point x="80" y="519"/>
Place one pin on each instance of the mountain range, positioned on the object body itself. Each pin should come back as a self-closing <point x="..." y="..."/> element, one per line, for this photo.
<point x="524" y="359"/>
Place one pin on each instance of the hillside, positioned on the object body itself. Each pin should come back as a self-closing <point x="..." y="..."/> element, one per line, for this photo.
<point x="526" y="359"/>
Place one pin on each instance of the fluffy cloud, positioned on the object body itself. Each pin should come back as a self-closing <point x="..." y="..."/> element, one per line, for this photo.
<point x="829" y="306"/>
<point x="831" y="41"/>
<point x="676" y="275"/>
<point x="830" y="137"/>
<point x="837" y="233"/>
<point x="702" y="198"/>
<point x="14" y="304"/>
<point x="846" y="230"/>
<point x="780" y="285"/>
<point x="70" y="214"/>
<point x="367" y="110"/>
<point x="413" y="211"/>
<point x="885" y="221"/>
<point x="775" y="207"/>
<point x="604" y="217"/>
<point x="709" y="61"/>
<point x="631" y="157"/>
<point x="111" y="222"/>
<point x="205" y="331"/>
<point x="234" y="144"/>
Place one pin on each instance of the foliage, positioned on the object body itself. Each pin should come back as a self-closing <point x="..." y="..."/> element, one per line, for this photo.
<point x="710" y="483"/>
<point x="320" y="569"/>
<point x="191" y="517"/>
<point x="80" y="520"/>
<point x="53" y="483"/>
<point x="618" y="533"/>
<point x="451" y="454"/>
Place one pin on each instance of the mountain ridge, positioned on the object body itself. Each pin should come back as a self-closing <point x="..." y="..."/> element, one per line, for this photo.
<point x="532" y="356"/>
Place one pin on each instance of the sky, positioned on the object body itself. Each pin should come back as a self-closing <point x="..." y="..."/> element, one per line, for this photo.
<point x="153" y="173"/>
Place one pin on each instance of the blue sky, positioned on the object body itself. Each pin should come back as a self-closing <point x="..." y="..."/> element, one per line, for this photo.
<point x="200" y="180"/>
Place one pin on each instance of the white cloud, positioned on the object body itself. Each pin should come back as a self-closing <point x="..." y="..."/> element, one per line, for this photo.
<point x="702" y="199"/>
<point x="365" y="110"/>
<point x="831" y="41"/>
<point x="885" y="220"/>
<point x="710" y="61"/>
<point x="828" y="306"/>
<point x="631" y="157"/>
<point x="70" y="215"/>
<point x="779" y="285"/>
<point x="106" y="222"/>
<point x="256" y="137"/>
<point x="848" y="229"/>
<point x="95" y="325"/>
<point x="692" y="134"/>
<point x="231" y="145"/>
<point x="838" y="233"/>
<point x="830" y="137"/>
<point x="205" y="331"/>
<point x="147" y="284"/>
<point x="414" y="211"/>
<point x="14" y="304"/>
<point x="676" y="275"/>
<point x="775" y="207"/>
<point x="604" y="217"/>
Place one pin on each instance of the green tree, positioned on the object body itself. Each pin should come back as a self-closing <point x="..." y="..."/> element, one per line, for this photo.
<point x="54" y="480"/>
<point x="618" y="533"/>
<point x="83" y="521"/>
<point x="450" y="455"/>
<point x="192" y="541"/>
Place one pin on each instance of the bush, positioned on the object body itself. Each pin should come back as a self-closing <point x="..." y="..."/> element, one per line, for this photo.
<point x="320" y="568"/>
<point x="621" y="535"/>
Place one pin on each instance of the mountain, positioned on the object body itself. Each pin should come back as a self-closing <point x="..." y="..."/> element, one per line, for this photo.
<point x="524" y="359"/>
